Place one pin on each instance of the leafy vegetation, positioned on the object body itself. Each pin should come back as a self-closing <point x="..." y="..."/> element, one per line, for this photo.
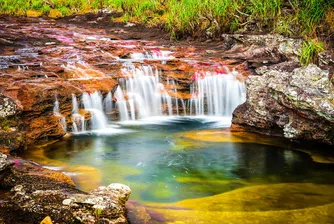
<point x="196" y="18"/>
<point x="310" y="51"/>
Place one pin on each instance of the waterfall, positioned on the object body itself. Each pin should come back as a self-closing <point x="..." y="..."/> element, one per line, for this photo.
<point x="154" y="54"/>
<point x="108" y="105"/>
<point x="184" y="107"/>
<point x="144" y="92"/>
<point x="93" y="104"/>
<point x="78" y="121"/>
<point x="56" y="112"/>
<point x="216" y="94"/>
<point x="176" y="100"/>
<point x="121" y="104"/>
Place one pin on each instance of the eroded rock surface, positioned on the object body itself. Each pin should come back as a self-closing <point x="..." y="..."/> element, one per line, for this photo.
<point x="296" y="105"/>
<point x="37" y="192"/>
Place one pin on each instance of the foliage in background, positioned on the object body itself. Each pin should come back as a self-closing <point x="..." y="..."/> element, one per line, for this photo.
<point x="64" y="7"/>
<point x="196" y="18"/>
<point x="190" y="17"/>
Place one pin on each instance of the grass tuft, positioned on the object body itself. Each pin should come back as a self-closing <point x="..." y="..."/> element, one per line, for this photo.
<point x="310" y="51"/>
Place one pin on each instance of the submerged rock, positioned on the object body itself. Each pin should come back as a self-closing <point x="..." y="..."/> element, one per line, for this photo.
<point x="272" y="203"/>
<point x="296" y="105"/>
<point x="37" y="192"/>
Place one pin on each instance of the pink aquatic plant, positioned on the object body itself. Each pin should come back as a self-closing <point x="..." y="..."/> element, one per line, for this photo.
<point x="17" y="162"/>
<point x="194" y="77"/>
<point x="157" y="52"/>
<point x="63" y="39"/>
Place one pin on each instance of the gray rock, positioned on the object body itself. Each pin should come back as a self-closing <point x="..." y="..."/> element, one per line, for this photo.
<point x="4" y="162"/>
<point x="8" y="106"/>
<point x="297" y="104"/>
<point x="289" y="47"/>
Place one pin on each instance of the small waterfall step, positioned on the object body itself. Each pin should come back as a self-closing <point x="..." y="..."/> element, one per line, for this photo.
<point x="146" y="95"/>
<point x="216" y="94"/>
<point x="141" y="95"/>
<point x="56" y="112"/>
<point x="78" y="120"/>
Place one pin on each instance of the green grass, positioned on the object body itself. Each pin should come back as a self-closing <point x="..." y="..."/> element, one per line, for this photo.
<point x="65" y="7"/>
<point x="192" y="17"/>
<point x="310" y="51"/>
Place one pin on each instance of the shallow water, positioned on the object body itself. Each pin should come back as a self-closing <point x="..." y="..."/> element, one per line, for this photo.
<point x="176" y="159"/>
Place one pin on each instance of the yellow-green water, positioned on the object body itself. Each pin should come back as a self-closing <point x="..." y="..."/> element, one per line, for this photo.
<point x="180" y="173"/>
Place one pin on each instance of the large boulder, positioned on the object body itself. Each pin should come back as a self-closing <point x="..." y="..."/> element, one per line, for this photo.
<point x="296" y="105"/>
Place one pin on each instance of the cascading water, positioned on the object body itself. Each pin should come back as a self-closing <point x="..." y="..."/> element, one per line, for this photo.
<point x="142" y="94"/>
<point x="121" y="104"/>
<point x="93" y="104"/>
<point x="155" y="54"/>
<point x="78" y="121"/>
<point x="57" y="113"/>
<point x="108" y="104"/>
<point x="216" y="94"/>
<point x="145" y="94"/>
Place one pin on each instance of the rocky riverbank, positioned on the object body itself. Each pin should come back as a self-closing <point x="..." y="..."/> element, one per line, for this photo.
<point x="37" y="193"/>
<point x="296" y="104"/>
<point x="283" y="98"/>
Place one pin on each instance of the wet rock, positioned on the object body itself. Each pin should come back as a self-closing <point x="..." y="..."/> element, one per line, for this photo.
<point x="296" y="105"/>
<point x="137" y="213"/>
<point x="22" y="172"/>
<point x="38" y="192"/>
